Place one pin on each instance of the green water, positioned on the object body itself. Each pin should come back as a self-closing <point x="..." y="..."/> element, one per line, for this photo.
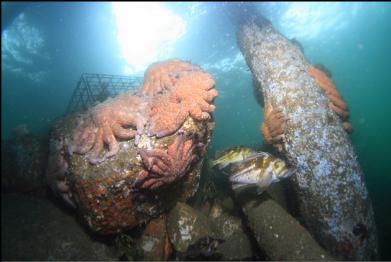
<point x="353" y="41"/>
<point x="360" y="62"/>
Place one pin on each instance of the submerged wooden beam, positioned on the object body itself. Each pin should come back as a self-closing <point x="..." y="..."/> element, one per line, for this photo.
<point x="330" y="185"/>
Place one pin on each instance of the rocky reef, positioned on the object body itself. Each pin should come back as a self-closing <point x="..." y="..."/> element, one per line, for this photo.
<point x="132" y="157"/>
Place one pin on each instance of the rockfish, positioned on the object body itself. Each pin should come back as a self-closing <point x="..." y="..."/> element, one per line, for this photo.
<point x="261" y="169"/>
<point x="233" y="155"/>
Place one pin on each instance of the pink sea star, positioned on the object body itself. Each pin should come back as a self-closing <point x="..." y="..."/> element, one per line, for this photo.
<point x="162" y="76"/>
<point x="56" y="171"/>
<point x="172" y="91"/>
<point x="166" y="166"/>
<point x="192" y="94"/>
<point x="122" y="118"/>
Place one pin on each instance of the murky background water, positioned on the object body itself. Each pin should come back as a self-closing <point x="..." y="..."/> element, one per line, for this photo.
<point x="46" y="47"/>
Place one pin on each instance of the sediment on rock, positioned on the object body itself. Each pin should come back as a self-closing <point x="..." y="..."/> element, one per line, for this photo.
<point x="131" y="158"/>
<point x="330" y="185"/>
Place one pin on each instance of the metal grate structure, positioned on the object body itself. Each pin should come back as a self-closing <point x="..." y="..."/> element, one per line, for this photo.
<point x="95" y="88"/>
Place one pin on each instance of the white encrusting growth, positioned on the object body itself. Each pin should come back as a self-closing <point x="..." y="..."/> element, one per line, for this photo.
<point x="329" y="182"/>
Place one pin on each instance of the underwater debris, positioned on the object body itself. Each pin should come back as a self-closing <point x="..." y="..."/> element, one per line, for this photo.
<point x="94" y="88"/>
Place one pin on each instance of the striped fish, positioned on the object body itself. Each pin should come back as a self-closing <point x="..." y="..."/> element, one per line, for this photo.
<point x="261" y="169"/>
<point x="232" y="155"/>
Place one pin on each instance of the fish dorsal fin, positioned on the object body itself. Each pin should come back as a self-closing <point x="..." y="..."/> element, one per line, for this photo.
<point x="219" y="153"/>
<point x="234" y="167"/>
<point x="256" y="155"/>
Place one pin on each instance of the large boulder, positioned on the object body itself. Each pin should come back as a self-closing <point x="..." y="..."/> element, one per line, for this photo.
<point x="104" y="193"/>
<point x="236" y="244"/>
<point x="132" y="157"/>
<point x="186" y="226"/>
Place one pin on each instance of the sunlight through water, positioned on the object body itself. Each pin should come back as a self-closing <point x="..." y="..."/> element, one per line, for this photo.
<point x="310" y="20"/>
<point x="146" y="32"/>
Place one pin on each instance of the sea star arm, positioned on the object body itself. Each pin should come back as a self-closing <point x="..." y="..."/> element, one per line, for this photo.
<point x="191" y="95"/>
<point x="337" y="104"/>
<point x="165" y="166"/>
<point x="162" y="76"/>
<point x="119" y="118"/>
<point x="274" y="125"/>
<point x="56" y="172"/>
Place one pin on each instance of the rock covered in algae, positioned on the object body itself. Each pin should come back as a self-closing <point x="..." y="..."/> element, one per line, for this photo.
<point x="104" y="193"/>
<point x="149" y="243"/>
<point x="155" y="242"/>
<point x="132" y="157"/>
<point x="186" y="226"/>
<point x="236" y="244"/>
<point x="217" y="235"/>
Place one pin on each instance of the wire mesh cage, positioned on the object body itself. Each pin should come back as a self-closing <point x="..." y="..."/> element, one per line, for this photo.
<point x="95" y="88"/>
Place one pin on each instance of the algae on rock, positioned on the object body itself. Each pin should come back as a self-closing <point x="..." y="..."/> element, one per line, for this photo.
<point x="104" y="192"/>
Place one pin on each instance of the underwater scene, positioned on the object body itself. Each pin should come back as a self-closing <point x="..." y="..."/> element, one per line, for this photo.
<point x="195" y="131"/>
